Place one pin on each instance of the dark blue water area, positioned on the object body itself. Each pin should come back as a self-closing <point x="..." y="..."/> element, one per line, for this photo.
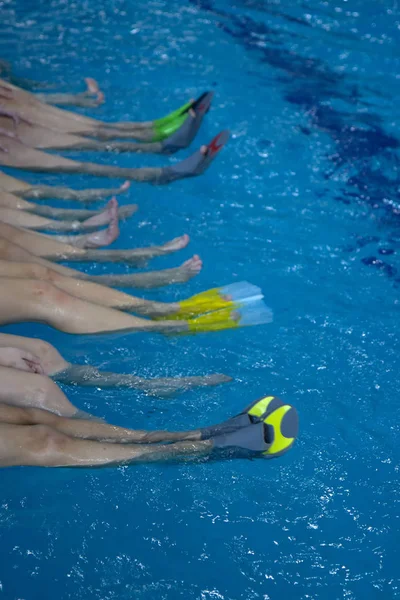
<point x="304" y="202"/>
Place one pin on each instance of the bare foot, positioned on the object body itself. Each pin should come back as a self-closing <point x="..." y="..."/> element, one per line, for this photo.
<point x="176" y="244"/>
<point x="124" y="187"/>
<point x="92" y="86"/>
<point x="104" y="237"/>
<point x="187" y="270"/>
<point x="105" y="217"/>
<point x="127" y="211"/>
<point x="100" y="99"/>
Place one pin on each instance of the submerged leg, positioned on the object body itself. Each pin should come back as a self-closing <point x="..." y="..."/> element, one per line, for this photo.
<point x="50" y="362"/>
<point x="151" y="279"/>
<point x="46" y="247"/>
<point x="41" y="192"/>
<point x="88" y="376"/>
<point x="78" y="214"/>
<point x="10" y="251"/>
<point x="28" y="220"/>
<point x="105" y="237"/>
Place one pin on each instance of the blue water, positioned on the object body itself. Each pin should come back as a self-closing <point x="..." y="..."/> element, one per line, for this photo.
<point x="304" y="201"/>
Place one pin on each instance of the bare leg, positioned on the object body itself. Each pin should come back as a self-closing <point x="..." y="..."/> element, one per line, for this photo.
<point x="20" y="388"/>
<point x="13" y="253"/>
<point x="105" y="237"/>
<point x="42" y="192"/>
<point x="89" y="429"/>
<point x="50" y="362"/>
<point x="11" y="201"/>
<point x="76" y="214"/>
<point x="43" y="445"/>
<point x="27" y="220"/>
<point x="91" y="98"/>
<point x="87" y="376"/>
<point x="137" y="256"/>
<point x="37" y="136"/>
<point x="61" y="99"/>
<point x="86" y="290"/>
<point x="45" y="247"/>
<point x="151" y="279"/>
<point x="31" y="300"/>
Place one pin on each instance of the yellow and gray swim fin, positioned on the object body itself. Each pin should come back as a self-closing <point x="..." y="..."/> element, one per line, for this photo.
<point x="238" y="314"/>
<point x="228" y="296"/>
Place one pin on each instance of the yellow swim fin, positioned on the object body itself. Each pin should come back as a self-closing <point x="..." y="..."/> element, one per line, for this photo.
<point x="228" y="296"/>
<point x="250" y="312"/>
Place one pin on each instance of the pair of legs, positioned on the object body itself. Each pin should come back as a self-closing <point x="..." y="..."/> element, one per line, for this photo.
<point x="35" y="111"/>
<point x="16" y="205"/>
<point x="27" y="221"/>
<point x="90" y="98"/>
<point x="14" y="153"/>
<point x="11" y="252"/>
<point x="34" y="437"/>
<point x="37" y="356"/>
<point x="87" y="290"/>
<point x="47" y="247"/>
<point x="40" y="301"/>
<point x="22" y="189"/>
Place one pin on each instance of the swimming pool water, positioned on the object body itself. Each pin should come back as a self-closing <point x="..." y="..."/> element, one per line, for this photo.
<point x="304" y="201"/>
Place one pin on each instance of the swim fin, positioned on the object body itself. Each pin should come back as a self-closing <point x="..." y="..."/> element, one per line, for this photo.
<point x="167" y="125"/>
<point x="250" y="312"/>
<point x="195" y="164"/>
<point x="256" y="412"/>
<point x="271" y="437"/>
<point x="221" y="297"/>
<point x="183" y="137"/>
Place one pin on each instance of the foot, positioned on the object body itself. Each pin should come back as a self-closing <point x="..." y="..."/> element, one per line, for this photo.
<point x="92" y="86"/>
<point x="104" y="237"/>
<point x="189" y="269"/>
<point x="176" y="244"/>
<point x="124" y="187"/>
<point x="105" y="217"/>
<point x="94" y="90"/>
<point x="185" y="134"/>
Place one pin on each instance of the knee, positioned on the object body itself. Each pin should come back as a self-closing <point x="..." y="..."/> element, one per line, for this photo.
<point x="42" y="273"/>
<point x="44" y="350"/>
<point x="43" y="292"/>
<point x="41" y="289"/>
<point x="50" y="359"/>
<point x="49" y="397"/>
<point x="44" y="441"/>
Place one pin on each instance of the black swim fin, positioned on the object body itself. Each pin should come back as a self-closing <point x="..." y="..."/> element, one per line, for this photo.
<point x="195" y="164"/>
<point x="256" y="412"/>
<point x="255" y="438"/>
<point x="183" y="137"/>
